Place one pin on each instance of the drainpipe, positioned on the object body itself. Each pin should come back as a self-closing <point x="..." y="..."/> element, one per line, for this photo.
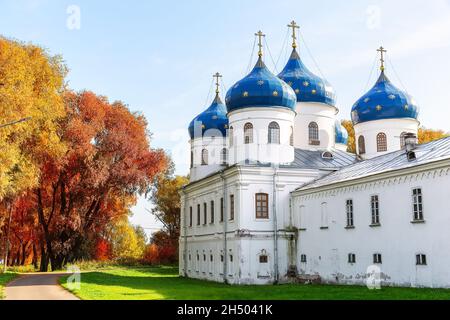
<point x="225" y="229"/>
<point x="185" y="233"/>
<point x="275" y="223"/>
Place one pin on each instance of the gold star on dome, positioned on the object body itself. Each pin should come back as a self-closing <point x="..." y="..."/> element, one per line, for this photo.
<point x="203" y="126"/>
<point x="313" y="91"/>
<point x="306" y="83"/>
<point x="391" y="96"/>
<point x="366" y="100"/>
<point x="225" y="126"/>
<point x="275" y="93"/>
<point x="378" y="107"/>
<point x="406" y="107"/>
<point x="260" y="82"/>
<point x="245" y="94"/>
<point x="297" y="91"/>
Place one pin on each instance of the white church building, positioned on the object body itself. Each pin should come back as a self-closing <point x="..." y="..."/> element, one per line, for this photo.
<point x="275" y="197"/>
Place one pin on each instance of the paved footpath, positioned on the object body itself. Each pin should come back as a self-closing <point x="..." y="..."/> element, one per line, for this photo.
<point x="37" y="286"/>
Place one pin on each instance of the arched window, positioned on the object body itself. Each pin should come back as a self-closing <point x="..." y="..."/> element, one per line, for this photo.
<point x="361" y="145"/>
<point x="274" y="133"/>
<point x="192" y="159"/>
<point x="402" y="140"/>
<point x="224" y="156"/>
<point x="381" y="142"/>
<point x="204" y="157"/>
<point x="313" y="134"/>
<point x="248" y="133"/>
<point x="231" y="132"/>
<point x="291" y="137"/>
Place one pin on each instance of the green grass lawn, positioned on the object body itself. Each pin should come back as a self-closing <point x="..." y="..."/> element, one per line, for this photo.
<point x="139" y="283"/>
<point x="5" y="278"/>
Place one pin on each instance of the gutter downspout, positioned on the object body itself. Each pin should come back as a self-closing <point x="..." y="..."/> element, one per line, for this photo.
<point x="225" y="229"/>
<point x="275" y="224"/>
<point x="185" y="234"/>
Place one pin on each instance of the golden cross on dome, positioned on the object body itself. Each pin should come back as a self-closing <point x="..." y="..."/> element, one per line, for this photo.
<point x="294" y="26"/>
<point x="260" y="45"/>
<point x="217" y="76"/>
<point x="382" y="51"/>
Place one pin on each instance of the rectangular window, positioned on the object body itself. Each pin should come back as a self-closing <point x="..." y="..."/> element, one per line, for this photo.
<point x="417" y="204"/>
<point x="349" y="209"/>
<point x="190" y="216"/>
<point x="212" y="211"/>
<point x="421" y="260"/>
<point x="263" y="258"/>
<point x="232" y="207"/>
<point x="303" y="258"/>
<point x="351" y="258"/>
<point x="198" y="214"/>
<point x="221" y="258"/>
<point x="221" y="209"/>
<point x="377" y="258"/>
<point x="262" y="205"/>
<point x="205" y="213"/>
<point x="375" y="207"/>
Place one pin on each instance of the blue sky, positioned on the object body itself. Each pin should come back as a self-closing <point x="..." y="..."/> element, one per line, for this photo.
<point x="159" y="56"/>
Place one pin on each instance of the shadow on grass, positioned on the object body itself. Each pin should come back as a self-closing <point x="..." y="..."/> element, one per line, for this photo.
<point x="164" y="283"/>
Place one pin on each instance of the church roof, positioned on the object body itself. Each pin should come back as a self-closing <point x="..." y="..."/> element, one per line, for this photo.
<point x="307" y="86"/>
<point x="425" y="153"/>
<point x="214" y="119"/>
<point x="260" y="88"/>
<point x="384" y="101"/>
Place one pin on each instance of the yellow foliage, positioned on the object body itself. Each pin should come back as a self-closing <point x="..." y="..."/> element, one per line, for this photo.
<point x="347" y="124"/>
<point x="126" y="242"/>
<point x="31" y="83"/>
<point x="427" y="135"/>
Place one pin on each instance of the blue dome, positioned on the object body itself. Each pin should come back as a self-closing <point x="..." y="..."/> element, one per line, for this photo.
<point x="307" y="86"/>
<point x="260" y="88"/>
<point x="384" y="101"/>
<point x="215" y="117"/>
<point x="341" y="134"/>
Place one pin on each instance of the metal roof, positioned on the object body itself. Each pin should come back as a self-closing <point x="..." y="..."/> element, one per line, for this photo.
<point x="313" y="159"/>
<point x="425" y="153"/>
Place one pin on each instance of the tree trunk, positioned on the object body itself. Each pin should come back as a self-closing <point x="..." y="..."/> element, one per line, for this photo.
<point x="35" y="257"/>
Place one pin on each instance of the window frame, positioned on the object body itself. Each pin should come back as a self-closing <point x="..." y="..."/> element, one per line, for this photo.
<point x="205" y="213"/>
<point x="313" y="133"/>
<point x="190" y="216"/>
<point x="199" y="214"/>
<point x="421" y="259"/>
<point x="375" y="211"/>
<point x="274" y="133"/>
<point x="417" y="200"/>
<point x="262" y="203"/>
<point x="248" y="133"/>
<point x="224" y="156"/>
<point x="303" y="258"/>
<point x="205" y="157"/>
<point x="377" y="258"/>
<point x="382" y="145"/>
<point x="232" y="207"/>
<point x="212" y="212"/>
<point x="361" y="144"/>
<point x="222" y="210"/>
<point x="349" y="213"/>
<point x="351" y="258"/>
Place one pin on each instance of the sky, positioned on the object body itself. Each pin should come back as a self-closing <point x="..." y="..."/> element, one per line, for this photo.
<point x="159" y="56"/>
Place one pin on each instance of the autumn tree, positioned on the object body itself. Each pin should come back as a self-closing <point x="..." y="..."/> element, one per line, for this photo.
<point x="348" y="125"/>
<point x="167" y="206"/>
<point x="108" y="163"/>
<point x="427" y="135"/>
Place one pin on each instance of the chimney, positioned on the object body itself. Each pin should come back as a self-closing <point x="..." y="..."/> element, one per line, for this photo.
<point x="410" y="141"/>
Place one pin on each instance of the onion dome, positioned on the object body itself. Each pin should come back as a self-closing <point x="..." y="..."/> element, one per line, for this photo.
<point x="341" y="134"/>
<point x="307" y="86"/>
<point x="215" y="117"/>
<point x="384" y="101"/>
<point x="260" y="88"/>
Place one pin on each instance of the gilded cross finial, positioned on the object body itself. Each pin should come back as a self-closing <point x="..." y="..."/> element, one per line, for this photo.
<point x="260" y="45"/>
<point x="294" y="26"/>
<point x="382" y="51"/>
<point x="217" y="76"/>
